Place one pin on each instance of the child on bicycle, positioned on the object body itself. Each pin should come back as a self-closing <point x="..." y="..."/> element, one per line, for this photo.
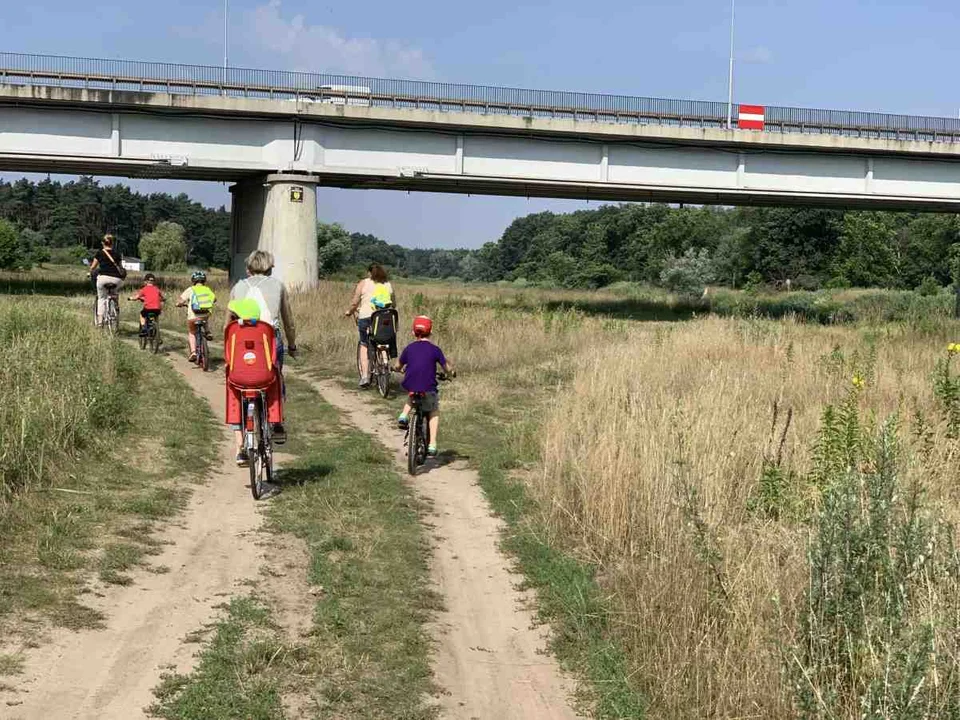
<point x="152" y="300"/>
<point x="199" y="300"/>
<point x="418" y="362"/>
<point x="251" y="363"/>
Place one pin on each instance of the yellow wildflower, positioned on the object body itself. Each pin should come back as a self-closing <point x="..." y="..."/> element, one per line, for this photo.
<point x="953" y="348"/>
<point x="858" y="381"/>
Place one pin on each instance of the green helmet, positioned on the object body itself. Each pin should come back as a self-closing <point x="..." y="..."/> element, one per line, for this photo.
<point x="247" y="309"/>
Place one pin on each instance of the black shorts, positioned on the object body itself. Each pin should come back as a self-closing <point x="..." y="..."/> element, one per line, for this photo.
<point x="147" y="313"/>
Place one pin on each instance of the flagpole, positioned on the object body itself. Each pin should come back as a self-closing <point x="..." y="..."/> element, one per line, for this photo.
<point x="733" y="8"/>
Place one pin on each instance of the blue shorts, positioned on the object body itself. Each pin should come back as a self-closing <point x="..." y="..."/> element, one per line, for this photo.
<point x="363" y="325"/>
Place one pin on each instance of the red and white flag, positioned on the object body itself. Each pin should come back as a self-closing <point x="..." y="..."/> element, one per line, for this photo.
<point x="751" y="117"/>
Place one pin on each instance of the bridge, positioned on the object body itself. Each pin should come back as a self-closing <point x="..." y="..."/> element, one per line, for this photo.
<point x="279" y="135"/>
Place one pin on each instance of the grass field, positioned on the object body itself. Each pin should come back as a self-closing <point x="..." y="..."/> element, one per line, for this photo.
<point x="753" y="517"/>
<point x="742" y="506"/>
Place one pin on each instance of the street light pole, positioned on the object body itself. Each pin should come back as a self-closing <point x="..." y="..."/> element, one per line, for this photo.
<point x="733" y="8"/>
<point x="226" y="37"/>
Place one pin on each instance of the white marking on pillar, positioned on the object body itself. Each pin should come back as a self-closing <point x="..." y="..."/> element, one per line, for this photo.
<point x="458" y="158"/>
<point x="115" y="135"/>
<point x="605" y="163"/>
<point x="741" y="169"/>
<point x="868" y="180"/>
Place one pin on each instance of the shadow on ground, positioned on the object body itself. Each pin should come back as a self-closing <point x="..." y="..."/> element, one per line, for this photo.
<point x="300" y="476"/>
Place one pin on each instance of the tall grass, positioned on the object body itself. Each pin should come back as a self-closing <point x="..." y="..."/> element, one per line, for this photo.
<point x="671" y="463"/>
<point x="62" y="388"/>
<point x="690" y="463"/>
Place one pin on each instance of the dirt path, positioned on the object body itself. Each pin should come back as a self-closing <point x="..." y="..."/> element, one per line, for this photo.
<point x="109" y="674"/>
<point x="490" y="659"/>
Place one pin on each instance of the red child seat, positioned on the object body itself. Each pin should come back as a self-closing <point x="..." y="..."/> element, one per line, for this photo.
<point x="250" y="352"/>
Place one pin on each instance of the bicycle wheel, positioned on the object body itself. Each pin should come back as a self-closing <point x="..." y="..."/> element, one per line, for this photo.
<point x="155" y="340"/>
<point x="261" y="461"/>
<point x="203" y="352"/>
<point x="383" y="372"/>
<point x="144" y="337"/>
<point x="113" y="316"/>
<point x="360" y="349"/>
<point x="412" y="442"/>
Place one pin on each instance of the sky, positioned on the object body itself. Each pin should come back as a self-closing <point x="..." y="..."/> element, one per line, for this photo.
<point x="842" y="54"/>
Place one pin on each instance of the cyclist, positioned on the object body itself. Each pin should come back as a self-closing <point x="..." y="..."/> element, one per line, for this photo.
<point x="199" y="300"/>
<point x="378" y="282"/>
<point x="152" y="300"/>
<point x="250" y="361"/>
<point x="274" y="302"/>
<point x="106" y="270"/>
<point x="418" y="362"/>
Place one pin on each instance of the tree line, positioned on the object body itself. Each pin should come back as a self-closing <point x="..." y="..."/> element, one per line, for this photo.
<point x="61" y="222"/>
<point x="682" y="248"/>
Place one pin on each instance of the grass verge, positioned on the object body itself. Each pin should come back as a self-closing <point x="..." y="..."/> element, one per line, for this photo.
<point x="366" y="655"/>
<point x="95" y="489"/>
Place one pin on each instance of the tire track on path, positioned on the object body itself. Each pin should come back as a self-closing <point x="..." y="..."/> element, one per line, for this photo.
<point x="110" y="674"/>
<point x="490" y="659"/>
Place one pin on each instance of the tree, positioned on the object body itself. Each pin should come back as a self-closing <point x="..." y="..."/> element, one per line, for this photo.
<point x="688" y="274"/>
<point x="165" y="247"/>
<point x="334" y="247"/>
<point x="11" y="253"/>
<point x="865" y="257"/>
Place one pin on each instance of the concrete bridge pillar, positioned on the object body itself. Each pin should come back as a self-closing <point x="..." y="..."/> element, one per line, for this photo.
<point x="277" y="213"/>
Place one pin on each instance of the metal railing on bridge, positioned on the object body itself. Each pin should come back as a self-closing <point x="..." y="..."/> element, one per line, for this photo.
<point x="23" y="69"/>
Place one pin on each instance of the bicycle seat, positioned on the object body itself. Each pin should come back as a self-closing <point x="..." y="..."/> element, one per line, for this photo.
<point x="109" y="287"/>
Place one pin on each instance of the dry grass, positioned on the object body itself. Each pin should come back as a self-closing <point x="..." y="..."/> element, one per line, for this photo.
<point x="651" y="456"/>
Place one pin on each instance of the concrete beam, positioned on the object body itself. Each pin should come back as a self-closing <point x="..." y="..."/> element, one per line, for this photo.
<point x="459" y="122"/>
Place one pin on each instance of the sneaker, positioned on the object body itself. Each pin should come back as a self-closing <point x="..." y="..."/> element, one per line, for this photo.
<point x="243" y="459"/>
<point x="209" y="335"/>
<point x="192" y="358"/>
<point x="279" y="434"/>
<point x="432" y="451"/>
<point x="143" y="332"/>
<point x="364" y="383"/>
<point x="403" y="422"/>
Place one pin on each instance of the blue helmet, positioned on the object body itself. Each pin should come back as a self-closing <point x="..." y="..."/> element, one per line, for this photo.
<point x="198" y="276"/>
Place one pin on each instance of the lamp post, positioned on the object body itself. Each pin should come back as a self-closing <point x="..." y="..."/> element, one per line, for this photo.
<point x="226" y="37"/>
<point x="733" y="8"/>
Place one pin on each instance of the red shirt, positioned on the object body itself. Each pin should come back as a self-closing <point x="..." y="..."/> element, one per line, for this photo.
<point x="150" y="295"/>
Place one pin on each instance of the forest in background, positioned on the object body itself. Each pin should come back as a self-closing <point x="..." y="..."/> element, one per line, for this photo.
<point x="680" y="248"/>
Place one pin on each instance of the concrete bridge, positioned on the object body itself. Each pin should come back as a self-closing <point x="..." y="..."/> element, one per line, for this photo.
<point x="278" y="136"/>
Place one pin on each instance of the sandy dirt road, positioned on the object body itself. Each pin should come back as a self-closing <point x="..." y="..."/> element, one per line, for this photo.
<point x="490" y="659"/>
<point x="109" y="674"/>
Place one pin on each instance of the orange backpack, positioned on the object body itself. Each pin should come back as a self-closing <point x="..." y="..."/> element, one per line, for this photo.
<point x="250" y="351"/>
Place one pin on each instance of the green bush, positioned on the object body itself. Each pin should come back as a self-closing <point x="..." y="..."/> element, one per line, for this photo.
<point x="928" y="287"/>
<point x="877" y="627"/>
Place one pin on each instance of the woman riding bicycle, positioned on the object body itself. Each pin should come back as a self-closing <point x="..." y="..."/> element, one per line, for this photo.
<point x="106" y="270"/>
<point x="362" y="306"/>
<point x="274" y="302"/>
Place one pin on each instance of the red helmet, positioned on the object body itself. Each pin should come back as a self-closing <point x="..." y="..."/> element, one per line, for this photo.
<point x="422" y="326"/>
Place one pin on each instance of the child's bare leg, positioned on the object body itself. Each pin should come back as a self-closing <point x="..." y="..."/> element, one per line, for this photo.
<point x="406" y="409"/>
<point x="238" y="436"/>
<point x="434" y="427"/>
<point x="143" y="321"/>
<point x="192" y="337"/>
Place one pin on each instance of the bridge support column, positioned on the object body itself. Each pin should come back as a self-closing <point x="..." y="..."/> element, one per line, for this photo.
<point x="277" y="213"/>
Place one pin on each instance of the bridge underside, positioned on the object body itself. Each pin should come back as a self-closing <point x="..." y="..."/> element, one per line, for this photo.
<point x="482" y="185"/>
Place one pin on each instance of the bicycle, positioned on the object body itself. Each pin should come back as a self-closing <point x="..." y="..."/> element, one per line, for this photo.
<point x="203" y="349"/>
<point x="111" y="321"/>
<point x="416" y="440"/>
<point x="150" y="336"/>
<point x="257" y="440"/>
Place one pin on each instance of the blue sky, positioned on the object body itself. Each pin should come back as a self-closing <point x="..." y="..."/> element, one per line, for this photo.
<point x="884" y="56"/>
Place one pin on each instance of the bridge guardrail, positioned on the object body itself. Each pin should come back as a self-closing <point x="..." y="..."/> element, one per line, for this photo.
<point x="19" y="68"/>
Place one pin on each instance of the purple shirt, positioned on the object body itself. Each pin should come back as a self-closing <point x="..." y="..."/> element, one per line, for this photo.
<point x="421" y="358"/>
